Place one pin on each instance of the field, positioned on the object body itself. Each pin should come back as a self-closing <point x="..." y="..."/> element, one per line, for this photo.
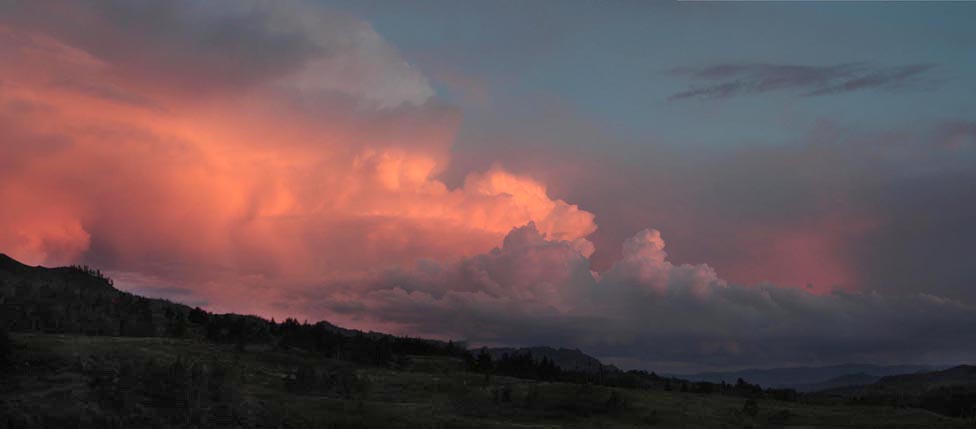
<point x="89" y="381"/>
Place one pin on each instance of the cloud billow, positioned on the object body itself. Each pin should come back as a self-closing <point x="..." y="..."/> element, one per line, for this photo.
<point x="279" y="159"/>
<point x="655" y="314"/>
<point x="228" y="147"/>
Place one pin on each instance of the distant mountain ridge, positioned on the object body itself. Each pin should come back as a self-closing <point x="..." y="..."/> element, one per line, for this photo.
<point x="844" y="381"/>
<point x="962" y="375"/>
<point x="808" y="378"/>
<point x="908" y="385"/>
<point x="950" y="391"/>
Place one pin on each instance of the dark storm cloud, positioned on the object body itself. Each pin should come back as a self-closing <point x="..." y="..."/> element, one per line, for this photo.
<point x="893" y="210"/>
<point x="924" y="240"/>
<point x="535" y="291"/>
<point x="728" y="80"/>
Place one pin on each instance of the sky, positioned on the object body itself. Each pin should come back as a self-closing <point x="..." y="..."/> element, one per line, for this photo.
<point x="668" y="186"/>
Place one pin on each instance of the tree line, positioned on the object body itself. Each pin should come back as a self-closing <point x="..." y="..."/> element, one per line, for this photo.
<point x="81" y="300"/>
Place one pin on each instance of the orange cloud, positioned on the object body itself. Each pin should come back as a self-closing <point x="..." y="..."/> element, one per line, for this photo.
<point x="294" y="179"/>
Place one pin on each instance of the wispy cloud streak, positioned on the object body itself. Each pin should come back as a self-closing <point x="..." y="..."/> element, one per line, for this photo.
<point x="729" y="80"/>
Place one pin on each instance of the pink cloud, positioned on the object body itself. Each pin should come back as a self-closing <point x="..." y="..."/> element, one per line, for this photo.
<point x="276" y="159"/>
<point x="294" y="177"/>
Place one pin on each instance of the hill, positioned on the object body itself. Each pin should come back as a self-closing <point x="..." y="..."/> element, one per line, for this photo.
<point x="76" y="300"/>
<point x="802" y="378"/>
<point x="844" y="381"/>
<point x="115" y="382"/>
<point x="950" y="391"/>
<point x="84" y="354"/>
<point x="81" y="300"/>
<point x="962" y="375"/>
<point x="565" y="359"/>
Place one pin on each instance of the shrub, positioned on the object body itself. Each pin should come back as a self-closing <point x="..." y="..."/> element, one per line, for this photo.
<point x="502" y="395"/>
<point x="650" y="419"/>
<point x="532" y="397"/>
<point x="780" y="417"/>
<point x="6" y="349"/>
<point x="751" y="408"/>
<point x="616" y="403"/>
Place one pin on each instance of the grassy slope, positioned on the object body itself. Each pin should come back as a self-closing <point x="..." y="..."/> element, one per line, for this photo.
<point x="53" y="377"/>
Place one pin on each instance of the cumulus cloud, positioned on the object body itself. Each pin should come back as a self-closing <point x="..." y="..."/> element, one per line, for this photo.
<point x="649" y="312"/>
<point x="734" y="79"/>
<point x="243" y="148"/>
<point x="280" y="159"/>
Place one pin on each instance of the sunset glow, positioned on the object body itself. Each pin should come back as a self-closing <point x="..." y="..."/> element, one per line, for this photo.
<point x="320" y="161"/>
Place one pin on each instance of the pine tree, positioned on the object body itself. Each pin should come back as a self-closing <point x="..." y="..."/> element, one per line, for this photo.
<point x="484" y="362"/>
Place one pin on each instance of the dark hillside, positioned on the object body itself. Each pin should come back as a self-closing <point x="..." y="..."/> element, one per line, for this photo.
<point x="801" y="378"/>
<point x="962" y="375"/>
<point x="78" y="300"/>
<point x="84" y="354"/>
<point x="565" y="359"/>
<point x="949" y="392"/>
<point x="72" y="381"/>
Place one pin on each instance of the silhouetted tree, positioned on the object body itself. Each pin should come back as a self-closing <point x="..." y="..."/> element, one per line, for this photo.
<point x="178" y="326"/>
<point x="198" y="316"/>
<point x="93" y="273"/>
<point x="788" y="395"/>
<point x="745" y="388"/>
<point x="484" y="362"/>
<point x="548" y="369"/>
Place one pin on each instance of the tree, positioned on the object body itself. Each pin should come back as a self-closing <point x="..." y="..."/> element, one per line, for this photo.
<point x="178" y="325"/>
<point x="484" y="362"/>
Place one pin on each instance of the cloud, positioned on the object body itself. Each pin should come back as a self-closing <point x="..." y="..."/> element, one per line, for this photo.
<point x="735" y="79"/>
<point x="834" y="205"/>
<point x="238" y="149"/>
<point x="533" y="290"/>
<point x="194" y="48"/>
<point x="957" y="135"/>
<point x="280" y="159"/>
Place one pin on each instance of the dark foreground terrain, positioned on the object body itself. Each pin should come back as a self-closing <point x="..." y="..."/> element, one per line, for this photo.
<point x="77" y="353"/>
<point x="68" y="381"/>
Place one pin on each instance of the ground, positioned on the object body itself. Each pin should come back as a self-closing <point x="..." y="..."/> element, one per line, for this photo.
<point x="82" y="381"/>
